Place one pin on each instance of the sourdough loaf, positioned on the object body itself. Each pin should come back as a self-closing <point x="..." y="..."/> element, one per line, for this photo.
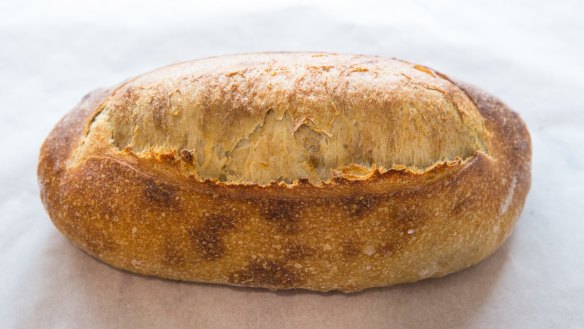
<point x="288" y="170"/>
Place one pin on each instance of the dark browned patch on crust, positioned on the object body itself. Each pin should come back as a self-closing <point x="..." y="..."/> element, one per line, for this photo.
<point x="284" y="213"/>
<point x="358" y="206"/>
<point x="350" y="249"/>
<point x="409" y="216"/>
<point x="160" y="195"/>
<point x="298" y="252"/>
<point x="267" y="273"/>
<point x="208" y="238"/>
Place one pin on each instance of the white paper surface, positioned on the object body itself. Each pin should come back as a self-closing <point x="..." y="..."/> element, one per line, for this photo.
<point x="530" y="54"/>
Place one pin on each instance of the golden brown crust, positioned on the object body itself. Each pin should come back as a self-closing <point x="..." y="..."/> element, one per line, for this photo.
<point x="392" y="226"/>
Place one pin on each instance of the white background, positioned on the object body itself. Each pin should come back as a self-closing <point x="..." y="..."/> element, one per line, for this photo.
<point x="529" y="53"/>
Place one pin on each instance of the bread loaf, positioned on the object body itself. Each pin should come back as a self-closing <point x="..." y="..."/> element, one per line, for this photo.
<point x="288" y="170"/>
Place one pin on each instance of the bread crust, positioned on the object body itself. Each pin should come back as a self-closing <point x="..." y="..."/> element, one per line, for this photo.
<point x="387" y="227"/>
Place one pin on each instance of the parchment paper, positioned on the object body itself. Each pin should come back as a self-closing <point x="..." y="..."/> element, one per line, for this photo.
<point x="528" y="53"/>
